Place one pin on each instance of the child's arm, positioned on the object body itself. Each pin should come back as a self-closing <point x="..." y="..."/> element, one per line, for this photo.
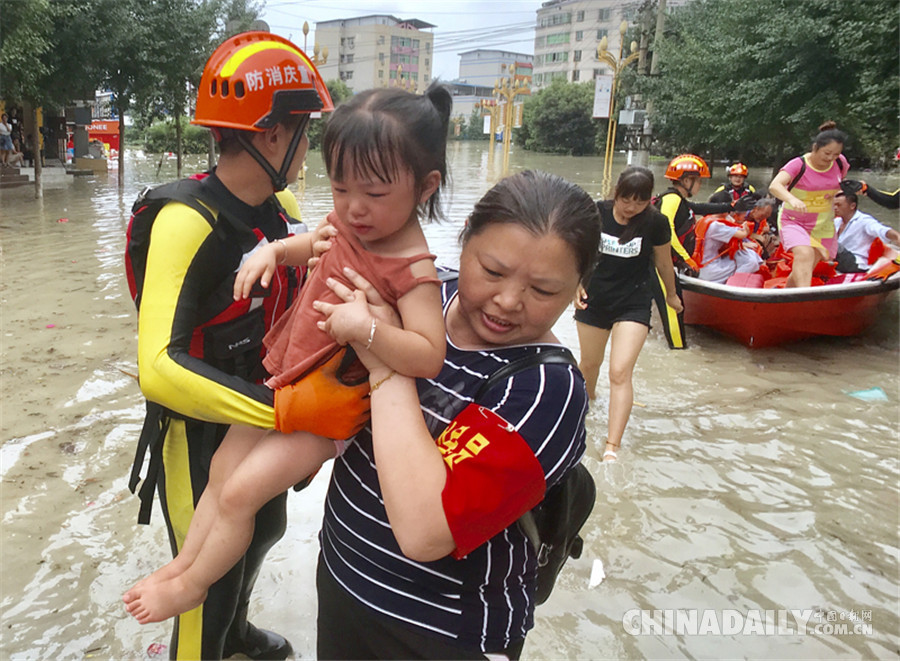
<point x="417" y="348"/>
<point x="297" y="250"/>
<point x="293" y="250"/>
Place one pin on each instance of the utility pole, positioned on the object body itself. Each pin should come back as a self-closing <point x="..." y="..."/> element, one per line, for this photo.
<point x="647" y="137"/>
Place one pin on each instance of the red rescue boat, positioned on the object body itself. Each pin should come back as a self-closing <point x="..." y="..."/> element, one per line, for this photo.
<point x="767" y="317"/>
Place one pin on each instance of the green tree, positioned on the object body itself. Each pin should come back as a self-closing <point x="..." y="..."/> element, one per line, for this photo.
<point x="474" y="127"/>
<point x="38" y="66"/>
<point x="339" y="93"/>
<point x="753" y="79"/>
<point x="558" y="119"/>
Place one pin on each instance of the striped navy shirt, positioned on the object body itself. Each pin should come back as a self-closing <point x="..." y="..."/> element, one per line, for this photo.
<point x="485" y="600"/>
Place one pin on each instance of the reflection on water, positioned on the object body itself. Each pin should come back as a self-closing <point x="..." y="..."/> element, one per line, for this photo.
<point x="749" y="480"/>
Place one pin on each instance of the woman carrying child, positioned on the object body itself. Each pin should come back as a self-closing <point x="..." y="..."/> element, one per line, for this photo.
<point x="385" y="152"/>
<point x="421" y="555"/>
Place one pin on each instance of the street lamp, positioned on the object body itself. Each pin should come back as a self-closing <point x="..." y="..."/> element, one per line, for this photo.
<point x="489" y="108"/>
<point x="508" y="89"/>
<point x="315" y="58"/>
<point x="617" y="64"/>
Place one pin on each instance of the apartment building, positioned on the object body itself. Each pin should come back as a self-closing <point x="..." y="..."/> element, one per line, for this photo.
<point x="568" y="32"/>
<point x="485" y="67"/>
<point x="480" y="70"/>
<point x="368" y="51"/>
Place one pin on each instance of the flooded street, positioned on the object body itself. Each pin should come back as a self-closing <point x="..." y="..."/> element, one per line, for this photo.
<point x="749" y="481"/>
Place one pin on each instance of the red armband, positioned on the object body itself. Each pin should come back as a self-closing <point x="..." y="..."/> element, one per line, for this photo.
<point x="493" y="477"/>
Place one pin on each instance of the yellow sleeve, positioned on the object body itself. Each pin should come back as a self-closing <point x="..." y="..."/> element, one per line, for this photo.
<point x="289" y="202"/>
<point x="669" y="207"/>
<point x="168" y="374"/>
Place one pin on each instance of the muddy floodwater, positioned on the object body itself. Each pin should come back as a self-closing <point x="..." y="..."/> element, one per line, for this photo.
<point x="753" y="511"/>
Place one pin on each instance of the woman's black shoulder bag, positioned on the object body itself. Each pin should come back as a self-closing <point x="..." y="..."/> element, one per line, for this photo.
<point x="553" y="525"/>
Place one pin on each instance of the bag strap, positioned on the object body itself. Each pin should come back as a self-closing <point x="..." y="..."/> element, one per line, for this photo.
<point x="557" y="356"/>
<point x="560" y="355"/>
<point x="799" y="175"/>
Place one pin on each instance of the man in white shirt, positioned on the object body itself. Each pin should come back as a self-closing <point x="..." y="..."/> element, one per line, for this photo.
<point x="855" y="233"/>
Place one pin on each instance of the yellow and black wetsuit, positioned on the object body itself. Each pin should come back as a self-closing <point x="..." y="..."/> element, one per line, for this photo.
<point x="728" y="193"/>
<point x="680" y="213"/>
<point x="199" y="354"/>
<point x="887" y="200"/>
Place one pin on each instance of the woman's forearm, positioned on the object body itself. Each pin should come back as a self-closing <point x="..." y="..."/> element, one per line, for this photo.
<point x="411" y="471"/>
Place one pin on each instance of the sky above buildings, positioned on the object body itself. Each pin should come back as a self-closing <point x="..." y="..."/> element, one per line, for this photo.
<point x="462" y="25"/>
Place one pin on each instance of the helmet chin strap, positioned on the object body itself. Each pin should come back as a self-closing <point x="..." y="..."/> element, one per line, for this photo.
<point x="279" y="178"/>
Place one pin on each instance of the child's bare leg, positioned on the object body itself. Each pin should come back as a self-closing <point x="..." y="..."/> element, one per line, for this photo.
<point x="276" y="463"/>
<point x="235" y="447"/>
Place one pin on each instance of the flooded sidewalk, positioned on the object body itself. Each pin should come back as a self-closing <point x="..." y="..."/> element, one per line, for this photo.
<point x="749" y="481"/>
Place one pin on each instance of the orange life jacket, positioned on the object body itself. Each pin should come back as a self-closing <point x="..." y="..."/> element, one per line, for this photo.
<point x="700" y="228"/>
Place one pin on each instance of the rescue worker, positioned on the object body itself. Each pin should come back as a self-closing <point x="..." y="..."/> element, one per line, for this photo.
<point x="199" y="351"/>
<point x="685" y="172"/>
<point x="879" y="197"/>
<point x="736" y="188"/>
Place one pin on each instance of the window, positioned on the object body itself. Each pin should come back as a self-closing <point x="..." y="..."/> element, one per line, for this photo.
<point x="380" y="58"/>
<point x="381" y="73"/>
<point x="539" y="42"/>
<point x="381" y="40"/>
<point x="556" y="19"/>
<point x="427" y="62"/>
<point x="562" y="56"/>
<point x="601" y="34"/>
<point x="558" y="38"/>
<point x="576" y="56"/>
<point x="415" y="43"/>
<point x="576" y="76"/>
<point x="350" y="58"/>
<point x="579" y="16"/>
<point x="579" y="35"/>
<point x="604" y="14"/>
<point x="427" y="46"/>
<point x="346" y="75"/>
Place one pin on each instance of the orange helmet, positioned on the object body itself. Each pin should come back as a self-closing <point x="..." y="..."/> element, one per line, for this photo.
<point x="686" y="164"/>
<point x="737" y="169"/>
<point x="254" y="79"/>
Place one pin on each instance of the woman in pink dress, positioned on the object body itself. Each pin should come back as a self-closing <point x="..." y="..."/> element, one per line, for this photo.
<point x="807" y="185"/>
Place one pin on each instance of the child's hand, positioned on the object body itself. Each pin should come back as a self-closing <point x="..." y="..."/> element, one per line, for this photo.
<point x="348" y="322"/>
<point x="366" y="297"/>
<point x="322" y="238"/>
<point x="259" y="266"/>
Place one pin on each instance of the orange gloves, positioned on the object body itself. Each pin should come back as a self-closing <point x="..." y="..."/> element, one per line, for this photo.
<point x="322" y="404"/>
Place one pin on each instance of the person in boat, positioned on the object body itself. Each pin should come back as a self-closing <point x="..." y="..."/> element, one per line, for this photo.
<point x="736" y="188"/>
<point x="685" y="172"/>
<point x="807" y="185"/>
<point x="421" y="555"/>
<point x="862" y="240"/>
<point x="615" y="305"/>
<point x="729" y="244"/>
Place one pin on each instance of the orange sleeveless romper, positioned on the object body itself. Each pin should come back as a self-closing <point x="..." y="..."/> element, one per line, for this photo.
<point x="295" y="344"/>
